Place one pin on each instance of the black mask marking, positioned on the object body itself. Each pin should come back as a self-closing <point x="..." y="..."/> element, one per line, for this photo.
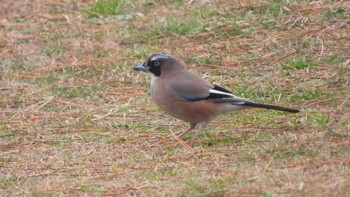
<point x="155" y="70"/>
<point x="155" y="61"/>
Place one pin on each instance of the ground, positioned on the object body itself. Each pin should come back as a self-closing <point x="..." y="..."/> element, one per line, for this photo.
<point x="76" y="120"/>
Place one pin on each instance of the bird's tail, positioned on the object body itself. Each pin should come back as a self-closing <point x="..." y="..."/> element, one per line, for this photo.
<point x="258" y="105"/>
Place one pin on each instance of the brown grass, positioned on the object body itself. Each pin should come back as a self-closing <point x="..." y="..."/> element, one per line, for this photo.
<point x="76" y="120"/>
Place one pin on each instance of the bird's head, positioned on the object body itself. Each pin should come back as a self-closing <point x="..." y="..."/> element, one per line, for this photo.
<point x="158" y="63"/>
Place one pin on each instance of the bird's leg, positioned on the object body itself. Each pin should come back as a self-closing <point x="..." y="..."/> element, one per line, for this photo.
<point x="192" y="126"/>
<point x="203" y="125"/>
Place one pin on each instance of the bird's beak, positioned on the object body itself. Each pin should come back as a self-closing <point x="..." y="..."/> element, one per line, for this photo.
<point x="140" y="67"/>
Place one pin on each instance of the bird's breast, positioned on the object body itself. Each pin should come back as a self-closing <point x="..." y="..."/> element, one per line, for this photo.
<point x="160" y="93"/>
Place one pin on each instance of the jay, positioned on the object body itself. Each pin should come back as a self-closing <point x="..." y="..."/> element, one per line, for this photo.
<point x="188" y="97"/>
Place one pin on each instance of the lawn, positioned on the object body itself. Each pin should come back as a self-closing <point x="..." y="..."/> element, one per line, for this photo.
<point x="76" y="119"/>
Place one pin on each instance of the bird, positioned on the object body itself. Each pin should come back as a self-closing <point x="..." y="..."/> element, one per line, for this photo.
<point x="188" y="97"/>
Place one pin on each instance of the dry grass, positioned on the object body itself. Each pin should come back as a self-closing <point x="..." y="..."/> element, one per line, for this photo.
<point x="76" y="120"/>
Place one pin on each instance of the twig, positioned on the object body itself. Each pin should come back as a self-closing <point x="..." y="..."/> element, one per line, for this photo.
<point x="341" y="105"/>
<point x="180" y="141"/>
<point x="290" y="54"/>
<point x="42" y="105"/>
<point x="46" y="102"/>
<point x="100" y="117"/>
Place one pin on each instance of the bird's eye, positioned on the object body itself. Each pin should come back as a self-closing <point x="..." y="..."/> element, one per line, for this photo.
<point x="156" y="63"/>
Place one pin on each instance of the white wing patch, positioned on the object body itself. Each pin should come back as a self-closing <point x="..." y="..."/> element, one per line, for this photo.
<point x="159" y="55"/>
<point x="219" y="92"/>
<point x="239" y="99"/>
<point x="239" y="103"/>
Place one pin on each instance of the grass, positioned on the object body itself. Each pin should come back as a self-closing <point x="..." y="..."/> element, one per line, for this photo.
<point x="75" y="119"/>
<point x="300" y="64"/>
<point x="104" y="8"/>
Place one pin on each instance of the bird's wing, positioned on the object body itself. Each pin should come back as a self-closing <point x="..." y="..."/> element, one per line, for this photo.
<point x="219" y="94"/>
<point x="191" y="87"/>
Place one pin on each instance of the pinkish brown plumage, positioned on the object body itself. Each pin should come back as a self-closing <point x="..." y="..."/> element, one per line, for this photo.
<point x="187" y="96"/>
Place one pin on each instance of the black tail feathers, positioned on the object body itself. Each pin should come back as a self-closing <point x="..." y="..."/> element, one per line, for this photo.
<point x="258" y="105"/>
